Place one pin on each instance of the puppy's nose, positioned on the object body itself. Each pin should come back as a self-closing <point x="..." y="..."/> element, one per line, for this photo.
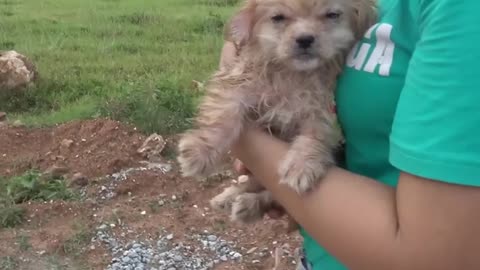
<point x="305" y="41"/>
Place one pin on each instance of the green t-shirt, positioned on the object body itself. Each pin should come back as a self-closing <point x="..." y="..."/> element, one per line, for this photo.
<point x="409" y="98"/>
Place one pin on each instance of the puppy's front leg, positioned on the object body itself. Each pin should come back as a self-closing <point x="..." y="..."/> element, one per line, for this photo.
<point x="308" y="158"/>
<point x="219" y="123"/>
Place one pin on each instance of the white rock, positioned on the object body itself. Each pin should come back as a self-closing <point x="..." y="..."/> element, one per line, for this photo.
<point x="16" y="71"/>
<point x="152" y="147"/>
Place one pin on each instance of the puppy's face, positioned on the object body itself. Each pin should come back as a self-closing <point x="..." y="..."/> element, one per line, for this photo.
<point x="301" y="34"/>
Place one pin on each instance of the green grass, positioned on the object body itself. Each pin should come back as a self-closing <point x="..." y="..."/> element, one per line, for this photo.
<point x="11" y="215"/>
<point x="33" y="186"/>
<point x="8" y="263"/>
<point x="23" y="242"/>
<point x="129" y="60"/>
<point x="30" y="186"/>
<point x="77" y="243"/>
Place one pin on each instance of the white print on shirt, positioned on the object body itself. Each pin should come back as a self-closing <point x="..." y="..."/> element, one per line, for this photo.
<point x="382" y="53"/>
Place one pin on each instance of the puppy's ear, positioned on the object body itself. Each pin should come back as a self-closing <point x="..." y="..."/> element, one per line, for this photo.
<point x="239" y="29"/>
<point x="365" y="16"/>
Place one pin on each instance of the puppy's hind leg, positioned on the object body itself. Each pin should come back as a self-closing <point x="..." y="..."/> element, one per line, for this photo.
<point x="251" y="207"/>
<point x="225" y="200"/>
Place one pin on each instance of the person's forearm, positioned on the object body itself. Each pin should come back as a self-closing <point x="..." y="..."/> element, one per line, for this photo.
<point x="354" y="217"/>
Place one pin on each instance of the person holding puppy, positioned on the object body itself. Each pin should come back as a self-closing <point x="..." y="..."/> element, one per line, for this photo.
<point x="407" y="195"/>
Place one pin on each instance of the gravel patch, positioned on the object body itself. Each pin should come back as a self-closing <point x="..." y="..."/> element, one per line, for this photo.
<point x="199" y="251"/>
<point x="108" y="191"/>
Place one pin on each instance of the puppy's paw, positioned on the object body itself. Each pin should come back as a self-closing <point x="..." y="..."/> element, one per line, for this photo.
<point x="247" y="208"/>
<point x="225" y="200"/>
<point x="195" y="156"/>
<point x="301" y="173"/>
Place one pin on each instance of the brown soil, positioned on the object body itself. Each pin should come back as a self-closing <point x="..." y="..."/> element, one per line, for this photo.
<point x="101" y="147"/>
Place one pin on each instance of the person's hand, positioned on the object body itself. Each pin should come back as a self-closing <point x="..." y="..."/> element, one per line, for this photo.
<point x="276" y="212"/>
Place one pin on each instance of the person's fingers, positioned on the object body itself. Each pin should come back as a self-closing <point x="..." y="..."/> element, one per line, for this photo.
<point x="275" y="213"/>
<point x="239" y="167"/>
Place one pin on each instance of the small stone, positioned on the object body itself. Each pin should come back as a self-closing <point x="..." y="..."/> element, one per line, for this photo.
<point x="56" y="171"/>
<point x="174" y="198"/>
<point x="126" y="259"/>
<point x="132" y="254"/>
<point x="211" y="238"/>
<point x="152" y="147"/>
<point x="169" y="237"/>
<point x="250" y="251"/>
<point x="18" y="123"/>
<point x="224" y="258"/>
<point x="66" y="143"/>
<point x="161" y="202"/>
<point x="92" y="247"/>
<point x="143" y="213"/>
<point x="255" y="261"/>
<point x="3" y="116"/>
<point x="178" y="258"/>
<point x="78" y="179"/>
<point x="102" y="227"/>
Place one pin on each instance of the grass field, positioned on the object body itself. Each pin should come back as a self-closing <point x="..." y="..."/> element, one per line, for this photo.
<point x="126" y="59"/>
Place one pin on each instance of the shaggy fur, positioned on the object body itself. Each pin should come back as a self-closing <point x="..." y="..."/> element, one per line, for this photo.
<point x="289" y="55"/>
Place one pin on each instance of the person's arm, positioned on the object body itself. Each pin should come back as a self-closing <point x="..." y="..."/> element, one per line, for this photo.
<point x="432" y="219"/>
<point x="367" y="225"/>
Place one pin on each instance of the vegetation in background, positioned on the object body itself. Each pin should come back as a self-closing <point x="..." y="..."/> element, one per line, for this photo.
<point x="76" y="244"/>
<point x="8" y="263"/>
<point x="130" y="60"/>
<point x="30" y="186"/>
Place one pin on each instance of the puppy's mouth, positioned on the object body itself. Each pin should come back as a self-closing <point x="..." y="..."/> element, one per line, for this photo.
<point x="304" y="56"/>
<point x="305" y="60"/>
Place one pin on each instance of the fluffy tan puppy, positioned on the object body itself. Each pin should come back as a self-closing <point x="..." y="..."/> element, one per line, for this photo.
<point x="289" y="55"/>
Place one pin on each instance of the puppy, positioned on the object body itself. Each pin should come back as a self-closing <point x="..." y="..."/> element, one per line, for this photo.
<point x="282" y="80"/>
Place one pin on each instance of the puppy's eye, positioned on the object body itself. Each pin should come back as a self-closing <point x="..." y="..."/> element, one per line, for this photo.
<point x="278" y="18"/>
<point x="333" y="15"/>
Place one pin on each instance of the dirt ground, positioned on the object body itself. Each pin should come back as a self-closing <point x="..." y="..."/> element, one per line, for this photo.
<point x="145" y="201"/>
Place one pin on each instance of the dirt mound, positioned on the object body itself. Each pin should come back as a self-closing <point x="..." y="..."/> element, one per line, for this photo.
<point x="93" y="148"/>
<point x="132" y="200"/>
